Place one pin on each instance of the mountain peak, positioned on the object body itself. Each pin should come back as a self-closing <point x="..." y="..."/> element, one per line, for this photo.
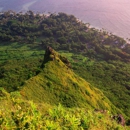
<point x="52" y="55"/>
<point x="49" y="54"/>
<point x="59" y="84"/>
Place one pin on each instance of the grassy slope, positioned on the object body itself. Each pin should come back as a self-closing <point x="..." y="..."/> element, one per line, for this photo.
<point x="56" y="84"/>
<point x="110" y="77"/>
<point x="26" y="66"/>
<point x="18" y="113"/>
<point x="18" y="61"/>
<point x="59" y="84"/>
<point x="23" y="36"/>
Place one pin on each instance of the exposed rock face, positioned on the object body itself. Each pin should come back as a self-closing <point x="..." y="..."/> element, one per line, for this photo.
<point x="120" y="119"/>
<point x="48" y="54"/>
<point x="65" y="61"/>
<point x="127" y="87"/>
<point x="51" y="55"/>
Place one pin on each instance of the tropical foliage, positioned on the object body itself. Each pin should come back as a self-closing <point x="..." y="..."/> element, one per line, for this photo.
<point x="101" y="58"/>
<point x="22" y="114"/>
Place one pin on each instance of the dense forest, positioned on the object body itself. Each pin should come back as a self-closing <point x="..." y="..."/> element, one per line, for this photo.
<point x="62" y="32"/>
<point x="100" y="57"/>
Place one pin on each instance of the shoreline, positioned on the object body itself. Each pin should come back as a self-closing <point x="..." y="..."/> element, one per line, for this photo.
<point x="113" y="16"/>
<point x="98" y="28"/>
<point x="26" y="6"/>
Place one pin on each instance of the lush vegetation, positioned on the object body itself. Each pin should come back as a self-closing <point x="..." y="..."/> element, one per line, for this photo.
<point x="23" y="114"/>
<point x="62" y="32"/>
<point x="112" y="77"/>
<point x="99" y="57"/>
<point x="18" y="62"/>
<point x="59" y="84"/>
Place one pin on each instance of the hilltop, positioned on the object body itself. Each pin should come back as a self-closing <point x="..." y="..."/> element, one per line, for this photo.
<point x="59" y="89"/>
<point x="57" y="83"/>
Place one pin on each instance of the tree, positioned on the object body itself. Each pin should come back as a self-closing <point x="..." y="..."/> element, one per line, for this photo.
<point x="62" y="40"/>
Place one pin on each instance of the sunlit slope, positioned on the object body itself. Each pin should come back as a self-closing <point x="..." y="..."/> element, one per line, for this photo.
<point x="18" y="113"/>
<point x="59" y="84"/>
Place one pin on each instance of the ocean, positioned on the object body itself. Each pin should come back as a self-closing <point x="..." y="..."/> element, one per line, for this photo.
<point x="112" y="15"/>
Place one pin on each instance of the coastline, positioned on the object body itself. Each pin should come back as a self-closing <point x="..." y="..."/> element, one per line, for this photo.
<point x="112" y="15"/>
<point x="26" y="8"/>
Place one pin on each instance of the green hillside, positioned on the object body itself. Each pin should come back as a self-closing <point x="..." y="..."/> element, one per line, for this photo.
<point x="57" y="83"/>
<point x="62" y="100"/>
<point x="17" y="113"/>
<point x="88" y="74"/>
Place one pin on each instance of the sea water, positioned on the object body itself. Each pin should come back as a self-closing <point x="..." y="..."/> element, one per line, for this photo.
<point x="112" y="15"/>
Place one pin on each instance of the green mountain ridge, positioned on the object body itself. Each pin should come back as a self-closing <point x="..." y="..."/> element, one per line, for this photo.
<point x="59" y="84"/>
<point x="96" y="56"/>
<point x="72" y="102"/>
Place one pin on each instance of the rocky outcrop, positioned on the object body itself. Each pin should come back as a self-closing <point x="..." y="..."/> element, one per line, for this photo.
<point x="51" y="55"/>
<point x="120" y="119"/>
<point x="65" y="61"/>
